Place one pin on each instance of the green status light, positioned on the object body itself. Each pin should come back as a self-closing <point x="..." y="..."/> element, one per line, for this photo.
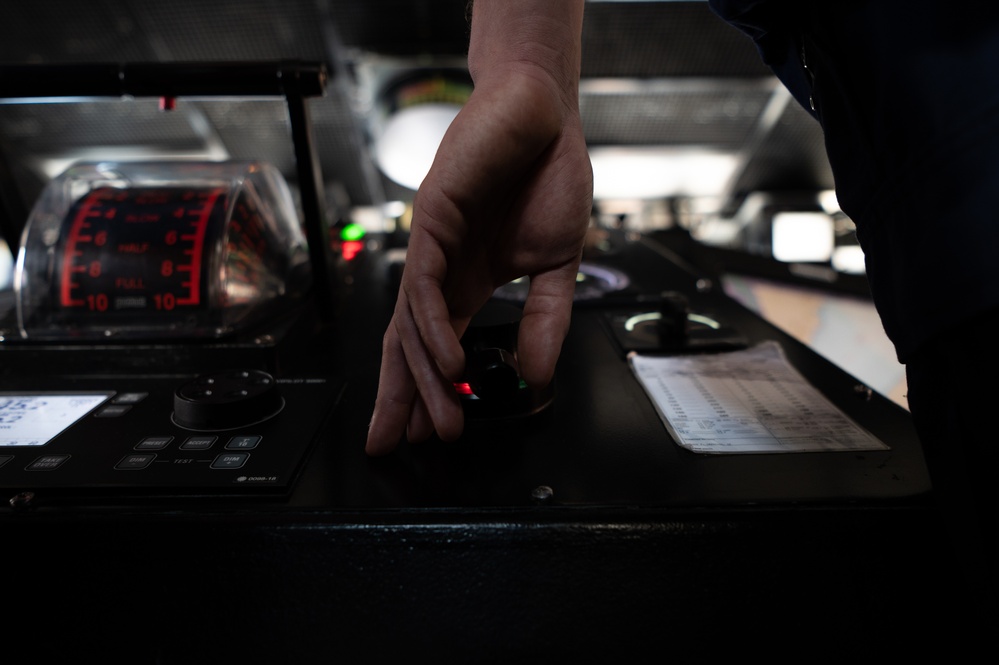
<point x="352" y="232"/>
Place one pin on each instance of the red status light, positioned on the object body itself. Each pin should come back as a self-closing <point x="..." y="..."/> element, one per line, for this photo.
<point x="463" y="389"/>
<point x="351" y="248"/>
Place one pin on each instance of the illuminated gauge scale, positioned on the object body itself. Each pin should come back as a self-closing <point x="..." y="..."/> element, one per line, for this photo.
<point x="159" y="250"/>
<point x="136" y="249"/>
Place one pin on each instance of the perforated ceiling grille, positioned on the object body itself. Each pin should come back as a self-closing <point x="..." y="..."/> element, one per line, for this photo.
<point x="702" y="113"/>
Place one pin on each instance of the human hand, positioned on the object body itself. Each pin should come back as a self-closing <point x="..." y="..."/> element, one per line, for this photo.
<point x="509" y="195"/>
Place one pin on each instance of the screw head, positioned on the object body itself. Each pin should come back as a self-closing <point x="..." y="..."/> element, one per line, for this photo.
<point x="22" y="500"/>
<point x="542" y="493"/>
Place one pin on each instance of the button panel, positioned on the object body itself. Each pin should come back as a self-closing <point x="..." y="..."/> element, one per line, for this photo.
<point x="131" y="442"/>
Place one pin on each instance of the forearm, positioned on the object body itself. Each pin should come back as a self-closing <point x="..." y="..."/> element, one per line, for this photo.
<point x="539" y="38"/>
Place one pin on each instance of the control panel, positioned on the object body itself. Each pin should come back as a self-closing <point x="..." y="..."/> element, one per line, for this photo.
<point x="229" y="432"/>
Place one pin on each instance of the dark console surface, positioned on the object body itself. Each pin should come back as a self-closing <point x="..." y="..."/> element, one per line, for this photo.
<point x="593" y="440"/>
<point x="562" y="527"/>
<point x="601" y="442"/>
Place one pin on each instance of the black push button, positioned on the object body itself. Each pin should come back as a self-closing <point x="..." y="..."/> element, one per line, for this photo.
<point x="5" y="458"/>
<point x="242" y="443"/>
<point x="230" y="460"/>
<point x="154" y="443"/>
<point x="129" y="398"/>
<point x="47" y="463"/>
<point x="113" y="411"/>
<point x="137" y="461"/>
<point x="198" y="443"/>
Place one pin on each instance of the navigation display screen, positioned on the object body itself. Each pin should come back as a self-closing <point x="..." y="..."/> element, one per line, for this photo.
<point x="34" y="419"/>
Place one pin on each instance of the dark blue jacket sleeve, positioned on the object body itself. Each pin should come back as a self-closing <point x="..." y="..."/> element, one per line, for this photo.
<point x="774" y="25"/>
<point x="907" y="92"/>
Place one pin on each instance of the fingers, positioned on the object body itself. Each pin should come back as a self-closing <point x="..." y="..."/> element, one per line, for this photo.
<point x="545" y="323"/>
<point x="423" y="291"/>
<point x="415" y="398"/>
<point x="436" y="391"/>
<point x="401" y="405"/>
<point x="420" y="425"/>
<point x="394" y="403"/>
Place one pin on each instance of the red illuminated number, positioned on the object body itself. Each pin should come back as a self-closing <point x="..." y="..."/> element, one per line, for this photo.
<point x="165" y="301"/>
<point x="171" y="238"/>
<point x="95" y="269"/>
<point x="101" y="238"/>
<point x="98" y="302"/>
<point x="166" y="268"/>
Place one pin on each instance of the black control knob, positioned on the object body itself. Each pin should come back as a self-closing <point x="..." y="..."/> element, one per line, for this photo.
<point x="225" y="400"/>
<point x="492" y="387"/>
<point x="490" y="343"/>
<point x="493" y="374"/>
<point x="674" y="310"/>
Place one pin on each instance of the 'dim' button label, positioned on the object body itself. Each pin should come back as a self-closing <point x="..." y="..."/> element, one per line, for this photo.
<point x="230" y="460"/>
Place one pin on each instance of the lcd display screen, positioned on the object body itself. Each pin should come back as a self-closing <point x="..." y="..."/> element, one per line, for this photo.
<point x="34" y="419"/>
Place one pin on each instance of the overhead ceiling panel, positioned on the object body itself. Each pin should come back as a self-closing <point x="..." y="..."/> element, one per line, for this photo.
<point x="679" y="77"/>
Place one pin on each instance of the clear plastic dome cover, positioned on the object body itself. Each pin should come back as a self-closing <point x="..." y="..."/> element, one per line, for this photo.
<point x="149" y="250"/>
